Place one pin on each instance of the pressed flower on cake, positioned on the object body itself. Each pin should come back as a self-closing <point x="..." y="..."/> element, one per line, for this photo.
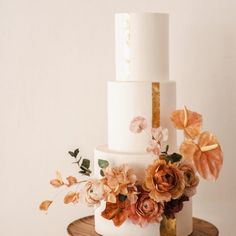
<point x="138" y="124"/>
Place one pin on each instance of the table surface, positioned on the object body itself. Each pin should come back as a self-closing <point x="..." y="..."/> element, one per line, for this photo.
<point x="85" y="227"/>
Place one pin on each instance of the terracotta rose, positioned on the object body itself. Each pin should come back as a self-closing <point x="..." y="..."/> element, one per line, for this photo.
<point x="164" y="181"/>
<point x="146" y="210"/>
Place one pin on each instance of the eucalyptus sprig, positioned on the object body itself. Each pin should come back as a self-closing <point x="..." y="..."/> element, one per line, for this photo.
<point x="83" y="163"/>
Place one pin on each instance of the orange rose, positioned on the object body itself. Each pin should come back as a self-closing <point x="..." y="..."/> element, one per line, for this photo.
<point x="164" y="181"/>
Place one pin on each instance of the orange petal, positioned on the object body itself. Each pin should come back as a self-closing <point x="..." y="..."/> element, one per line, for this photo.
<point x="45" y="205"/>
<point x="56" y="183"/>
<point x="208" y="159"/>
<point x="71" y="197"/>
<point x="120" y="218"/>
<point x="177" y="118"/>
<point x="187" y="149"/>
<point x="207" y="139"/>
<point x="189" y="121"/>
<point x="110" y="211"/>
<point x="71" y="181"/>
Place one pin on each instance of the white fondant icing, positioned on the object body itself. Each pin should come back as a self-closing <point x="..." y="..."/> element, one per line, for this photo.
<point x="138" y="161"/>
<point x="184" y="221"/>
<point x="107" y="228"/>
<point x="127" y="100"/>
<point x="142" y="46"/>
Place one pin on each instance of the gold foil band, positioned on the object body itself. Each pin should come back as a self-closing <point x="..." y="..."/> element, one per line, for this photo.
<point x="168" y="227"/>
<point x="155" y="105"/>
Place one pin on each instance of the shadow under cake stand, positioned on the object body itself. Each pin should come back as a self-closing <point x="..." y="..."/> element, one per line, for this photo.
<point x="85" y="227"/>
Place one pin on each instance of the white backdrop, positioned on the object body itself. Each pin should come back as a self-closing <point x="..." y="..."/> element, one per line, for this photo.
<point x="55" y="59"/>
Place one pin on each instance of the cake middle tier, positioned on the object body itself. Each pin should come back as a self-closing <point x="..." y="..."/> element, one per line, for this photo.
<point x="152" y="100"/>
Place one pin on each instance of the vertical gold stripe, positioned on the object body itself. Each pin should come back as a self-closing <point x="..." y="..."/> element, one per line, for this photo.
<point x="168" y="227"/>
<point x="155" y="105"/>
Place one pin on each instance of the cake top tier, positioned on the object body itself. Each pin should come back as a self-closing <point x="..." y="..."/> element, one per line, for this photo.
<point x="142" y="46"/>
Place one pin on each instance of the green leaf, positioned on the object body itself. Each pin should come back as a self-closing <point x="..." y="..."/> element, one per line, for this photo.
<point x="84" y="172"/>
<point x="85" y="163"/>
<point x="71" y="153"/>
<point x="76" y="152"/>
<point x="87" y="174"/>
<point x="122" y="197"/>
<point x="175" y="157"/>
<point x="102" y="173"/>
<point x="103" y="163"/>
<point x="85" y="169"/>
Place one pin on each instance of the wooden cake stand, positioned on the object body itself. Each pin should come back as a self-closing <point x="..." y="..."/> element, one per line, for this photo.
<point x="85" y="227"/>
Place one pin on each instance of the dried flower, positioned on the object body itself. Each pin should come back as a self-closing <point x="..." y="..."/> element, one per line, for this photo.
<point x="71" y="197"/>
<point x="71" y="181"/>
<point x="154" y="147"/>
<point x="174" y="206"/>
<point x="58" y="181"/>
<point x="189" y="121"/>
<point x="206" y="154"/>
<point x="94" y="192"/>
<point x="188" y="148"/>
<point x="117" y="212"/>
<point x="190" y="178"/>
<point x="120" y="178"/>
<point x="160" y="134"/>
<point x="138" y="124"/>
<point x="45" y="205"/>
<point x="208" y="158"/>
<point x="164" y="181"/>
<point x="146" y="210"/>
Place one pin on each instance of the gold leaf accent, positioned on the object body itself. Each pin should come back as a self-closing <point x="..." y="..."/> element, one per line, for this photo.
<point x="155" y="105"/>
<point x="168" y="227"/>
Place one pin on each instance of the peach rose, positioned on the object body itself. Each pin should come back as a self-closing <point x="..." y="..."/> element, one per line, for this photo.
<point x="146" y="210"/>
<point x="94" y="192"/>
<point x="190" y="178"/>
<point x="164" y="181"/>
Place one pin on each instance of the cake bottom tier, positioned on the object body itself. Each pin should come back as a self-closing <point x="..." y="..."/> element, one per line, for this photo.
<point x="184" y="224"/>
<point x="139" y="162"/>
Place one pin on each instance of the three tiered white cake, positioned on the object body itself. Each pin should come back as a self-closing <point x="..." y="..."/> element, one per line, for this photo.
<point x="142" y="87"/>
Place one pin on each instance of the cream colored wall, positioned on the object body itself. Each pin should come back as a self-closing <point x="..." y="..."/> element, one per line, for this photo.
<point x="55" y="59"/>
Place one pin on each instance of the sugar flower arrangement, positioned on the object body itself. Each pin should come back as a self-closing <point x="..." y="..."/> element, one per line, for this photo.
<point x="169" y="181"/>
